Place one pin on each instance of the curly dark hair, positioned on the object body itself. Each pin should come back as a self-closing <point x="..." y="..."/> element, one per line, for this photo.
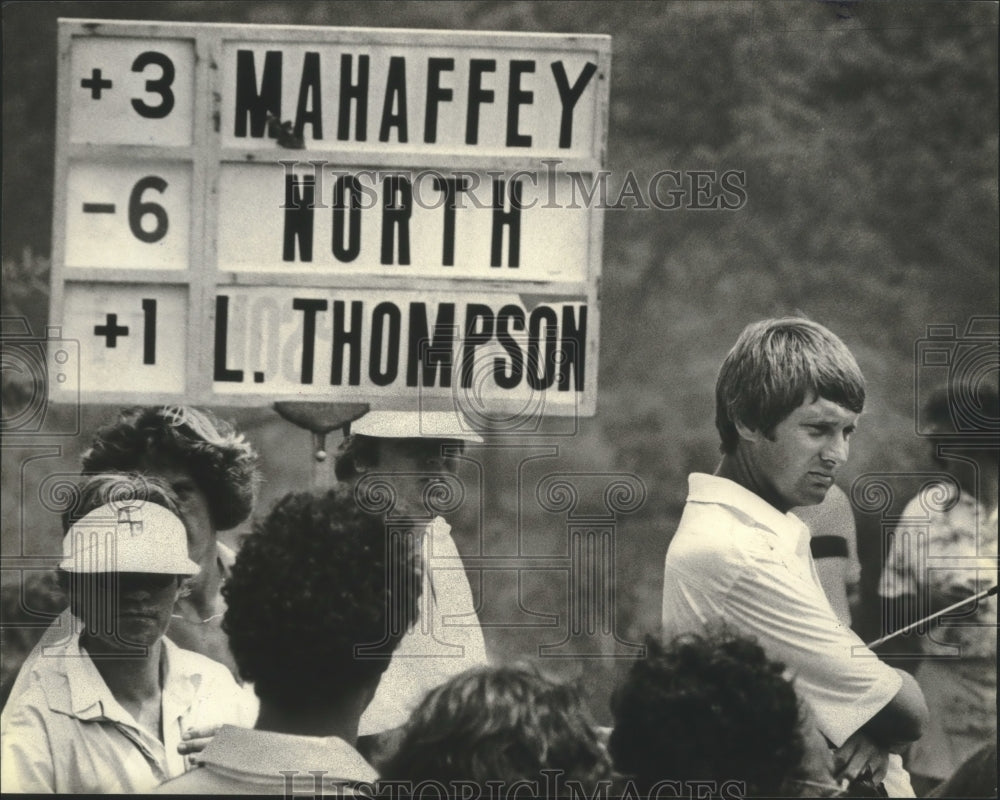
<point x="315" y="580"/>
<point x="220" y="461"/>
<point x="707" y="708"/>
<point x="499" y="723"/>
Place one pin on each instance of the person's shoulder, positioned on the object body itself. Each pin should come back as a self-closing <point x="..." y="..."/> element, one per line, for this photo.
<point x="200" y="780"/>
<point x="43" y="682"/>
<point x="836" y="503"/>
<point x="708" y="520"/>
<point x="30" y="709"/>
<point x="935" y="499"/>
<point x="706" y="526"/>
<point x="719" y="504"/>
<point x="709" y="536"/>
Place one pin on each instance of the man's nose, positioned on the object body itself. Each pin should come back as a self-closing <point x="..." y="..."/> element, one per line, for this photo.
<point x="135" y="593"/>
<point x="836" y="450"/>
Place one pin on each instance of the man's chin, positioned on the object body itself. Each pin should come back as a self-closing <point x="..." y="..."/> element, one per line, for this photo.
<point x="812" y="496"/>
<point x="118" y="647"/>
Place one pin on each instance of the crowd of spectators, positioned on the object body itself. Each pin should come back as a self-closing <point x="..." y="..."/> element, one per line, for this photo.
<point x="319" y="659"/>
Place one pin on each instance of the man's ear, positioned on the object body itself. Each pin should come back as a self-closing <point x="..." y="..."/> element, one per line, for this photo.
<point x="746" y="433"/>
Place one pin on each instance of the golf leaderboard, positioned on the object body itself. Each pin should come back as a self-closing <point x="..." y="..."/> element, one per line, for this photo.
<point x="246" y="214"/>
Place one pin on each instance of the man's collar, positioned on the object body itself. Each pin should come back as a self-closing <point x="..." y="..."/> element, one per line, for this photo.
<point x="704" y="488"/>
<point x="72" y="683"/>
<point x="87" y="694"/>
<point x="267" y="754"/>
<point x="79" y="689"/>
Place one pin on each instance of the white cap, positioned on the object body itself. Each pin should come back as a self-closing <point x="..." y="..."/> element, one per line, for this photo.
<point x="137" y="536"/>
<point x="416" y="425"/>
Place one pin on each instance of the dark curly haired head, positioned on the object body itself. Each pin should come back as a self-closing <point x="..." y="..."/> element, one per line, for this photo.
<point x="499" y="723"/>
<point x="219" y="460"/>
<point x="710" y="708"/>
<point x="317" y="578"/>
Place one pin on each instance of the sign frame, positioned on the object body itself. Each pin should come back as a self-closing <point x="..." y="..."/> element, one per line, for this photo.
<point x="203" y="278"/>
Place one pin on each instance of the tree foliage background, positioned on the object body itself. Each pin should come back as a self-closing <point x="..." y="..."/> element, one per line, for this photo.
<point x="868" y="135"/>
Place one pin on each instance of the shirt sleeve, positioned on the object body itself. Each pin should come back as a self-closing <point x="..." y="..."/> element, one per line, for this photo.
<point x="25" y="754"/>
<point x="429" y="654"/>
<point x="844" y="682"/>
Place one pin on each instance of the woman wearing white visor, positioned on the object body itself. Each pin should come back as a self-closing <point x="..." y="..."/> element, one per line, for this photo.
<point x="105" y="707"/>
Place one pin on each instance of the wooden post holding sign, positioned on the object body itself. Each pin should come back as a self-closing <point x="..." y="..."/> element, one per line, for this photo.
<point x="381" y="217"/>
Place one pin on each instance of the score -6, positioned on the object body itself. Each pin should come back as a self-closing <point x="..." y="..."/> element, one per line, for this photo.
<point x="139" y="209"/>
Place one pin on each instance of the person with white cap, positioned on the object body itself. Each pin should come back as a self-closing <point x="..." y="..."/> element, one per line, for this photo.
<point x="409" y="454"/>
<point x="105" y="708"/>
<point x="212" y="470"/>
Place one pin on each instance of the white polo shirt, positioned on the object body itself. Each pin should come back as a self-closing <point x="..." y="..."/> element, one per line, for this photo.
<point x="736" y="559"/>
<point x="446" y="639"/>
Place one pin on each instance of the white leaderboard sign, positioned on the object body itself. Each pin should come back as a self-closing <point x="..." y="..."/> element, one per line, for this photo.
<point x="246" y="214"/>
